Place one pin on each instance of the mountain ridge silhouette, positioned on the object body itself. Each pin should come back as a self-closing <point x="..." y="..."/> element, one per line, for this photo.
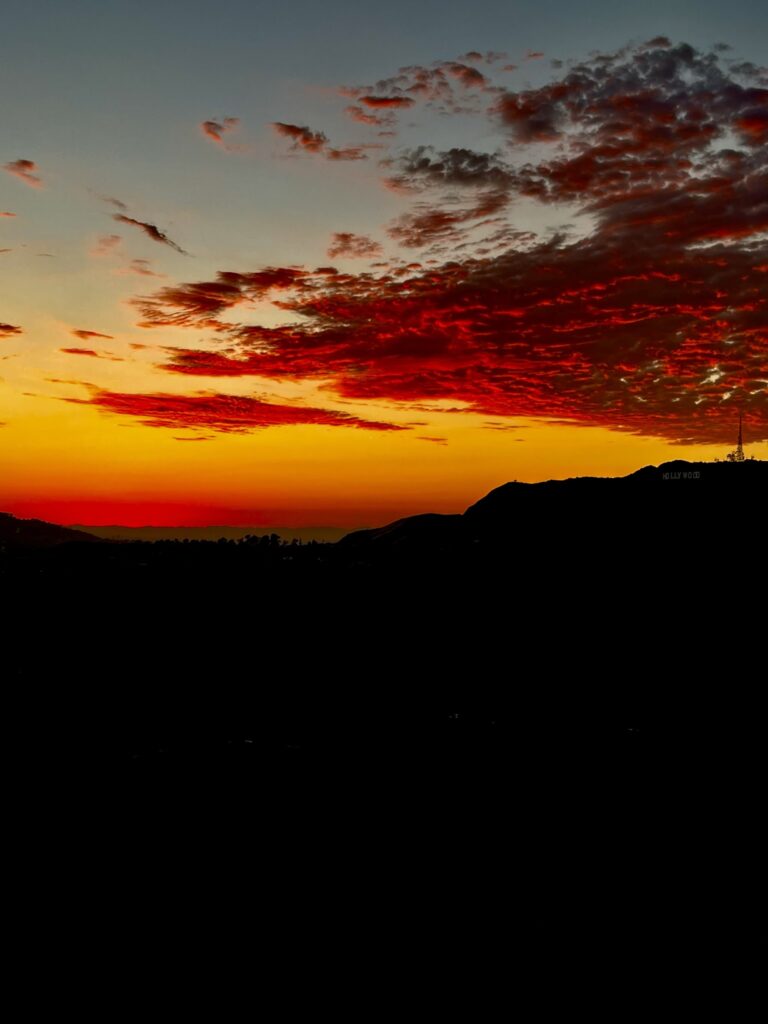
<point x="39" y="533"/>
<point x="700" y="491"/>
<point x="704" y="488"/>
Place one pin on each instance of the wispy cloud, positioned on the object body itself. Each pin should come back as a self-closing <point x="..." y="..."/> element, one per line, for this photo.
<point x="352" y="246"/>
<point x="92" y="353"/>
<point x="150" y="230"/>
<point x="117" y="203"/>
<point x="364" y="117"/>
<point x="25" y="170"/>
<point x="106" y="245"/>
<point x="85" y="335"/>
<point x="227" y="414"/>
<point x="215" y="130"/>
<point x="143" y="268"/>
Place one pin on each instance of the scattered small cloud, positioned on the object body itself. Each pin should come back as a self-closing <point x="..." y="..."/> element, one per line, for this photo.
<point x="117" y="203"/>
<point x="350" y="153"/>
<point x="387" y="102"/>
<point x="9" y="331"/>
<point x="25" y="170"/>
<point x="215" y="130"/>
<point x="106" y="245"/>
<point x="143" y="268"/>
<point x="150" y="230"/>
<point x="92" y="353"/>
<point x="305" y="139"/>
<point x="302" y="137"/>
<point x="363" y="117"/>
<point x="85" y="335"/>
<point x="352" y="246"/>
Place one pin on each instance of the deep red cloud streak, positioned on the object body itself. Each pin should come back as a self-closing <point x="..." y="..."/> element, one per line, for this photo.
<point x="231" y="414"/>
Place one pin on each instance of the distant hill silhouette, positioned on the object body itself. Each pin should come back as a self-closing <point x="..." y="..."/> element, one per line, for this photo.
<point x="677" y="507"/>
<point x="656" y="508"/>
<point x="324" y="534"/>
<point x="37" y="533"/>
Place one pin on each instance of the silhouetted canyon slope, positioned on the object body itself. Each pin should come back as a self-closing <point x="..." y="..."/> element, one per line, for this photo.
<point x="37" y="533"/>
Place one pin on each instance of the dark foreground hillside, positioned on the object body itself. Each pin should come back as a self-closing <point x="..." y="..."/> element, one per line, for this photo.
<point x="629" y="584"/>
<point x="486" y="747"/>
<point x="596" y="579"/>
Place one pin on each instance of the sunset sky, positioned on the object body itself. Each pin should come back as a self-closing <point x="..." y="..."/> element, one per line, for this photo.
<point x="337" y="263"/>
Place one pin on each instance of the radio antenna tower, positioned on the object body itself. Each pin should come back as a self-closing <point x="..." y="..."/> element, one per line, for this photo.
<point x="738" y="455"/>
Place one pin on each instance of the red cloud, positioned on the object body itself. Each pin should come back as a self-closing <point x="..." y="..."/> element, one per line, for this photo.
<point x="469" y="77"/>
<point x="5" y="213"/>
<point x="428" y="223"/>
<point x="753" y="123"/>
<point x="85" y="335"/>
<point x="200" y="303"/>
<point x="8" y="330"/>
<point x="317" y="142"/>
<point x="150" y="230"/>
<point x="229" y="414"/>
<point x="302" y="137"/>
<point x="358" y="114"/>
<point x="91" y="352"/>
<point x="435" y="85"/>
<point x="25" y="170"/>
<point x="347" y="244"/>
<point x="387" y="102"/>
<point x="214" y="130"/>
<point x="654" y="321"/>
<point x="658" y="341"/>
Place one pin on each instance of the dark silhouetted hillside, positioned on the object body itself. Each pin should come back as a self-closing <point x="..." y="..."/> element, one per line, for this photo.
<point x="536" y="586"/>
<point x="36" y="533"/>
<point x="672" y="509"/>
